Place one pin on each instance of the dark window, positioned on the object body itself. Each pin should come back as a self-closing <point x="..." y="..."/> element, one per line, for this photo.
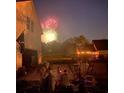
<point x="30" y="25"/>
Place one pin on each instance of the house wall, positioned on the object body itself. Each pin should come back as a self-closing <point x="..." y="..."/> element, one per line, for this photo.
<point x="27" y="22"/>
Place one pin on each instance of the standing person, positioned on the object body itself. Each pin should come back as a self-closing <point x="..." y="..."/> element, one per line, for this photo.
<point x="42" y="74"/>
<point x="64" y="78"/>
<point x="58" y="79"/>
<point x="64" y="82"/>
<point x="53" y="79"/>
<point x="46" y="86"/>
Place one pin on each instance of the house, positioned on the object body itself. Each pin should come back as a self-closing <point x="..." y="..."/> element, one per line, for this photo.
<point x="28" y="35"/>
<point x="101" y="46"/>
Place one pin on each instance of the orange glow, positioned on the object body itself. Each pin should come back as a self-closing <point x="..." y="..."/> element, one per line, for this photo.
<point x="88" y="52"/>
<point x="78" y="53"/>
<point x="82" y="52"/>
<point x="97" y="53"/>
<point x="18" y="60"/>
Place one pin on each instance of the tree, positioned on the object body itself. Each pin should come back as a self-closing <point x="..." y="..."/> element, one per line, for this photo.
<point x="71" y="44"/>
<point x="54" y="49"/>
<point x="65" y="49"/>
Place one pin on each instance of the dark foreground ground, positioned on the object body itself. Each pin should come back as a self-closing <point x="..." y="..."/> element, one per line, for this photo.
<point x="30" y="80"/>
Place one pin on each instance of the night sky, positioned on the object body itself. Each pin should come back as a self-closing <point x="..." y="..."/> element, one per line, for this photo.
<point x="77" y="17"/>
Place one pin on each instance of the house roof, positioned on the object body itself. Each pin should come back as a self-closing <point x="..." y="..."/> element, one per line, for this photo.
<point x="91" y="48"/>
<point x="100" y="44"/>
<point x="20" y="38"/>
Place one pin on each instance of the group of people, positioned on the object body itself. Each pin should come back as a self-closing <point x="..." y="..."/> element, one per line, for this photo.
<point x="60" y="82"/>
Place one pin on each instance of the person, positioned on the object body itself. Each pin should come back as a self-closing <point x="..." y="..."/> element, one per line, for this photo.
<point x="64" y="82"/>
<point x="46" y="85"/>
<point x="64" y="78"/>
<point x="57" y="80"/>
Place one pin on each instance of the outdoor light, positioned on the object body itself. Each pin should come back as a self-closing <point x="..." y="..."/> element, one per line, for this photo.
<point x="88" y="52"/>
<point x="82" y="52"/>
<point x="78" y="52"/>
